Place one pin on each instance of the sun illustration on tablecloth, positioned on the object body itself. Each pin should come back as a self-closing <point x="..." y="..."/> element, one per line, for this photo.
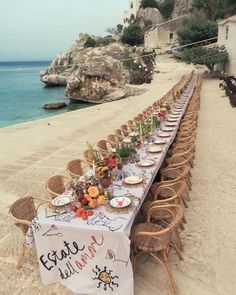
<point x="105" y="278"/>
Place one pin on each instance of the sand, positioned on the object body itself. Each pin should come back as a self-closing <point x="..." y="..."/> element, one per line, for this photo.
<point x="33" y="151"/>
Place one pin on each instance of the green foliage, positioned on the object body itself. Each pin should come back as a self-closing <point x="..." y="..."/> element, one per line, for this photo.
<point x="90" y="42"/>
<point x="206" y="56"/>
<point x="116" y="30"/>
<point x="104" y="41"/>
<point x="149" y="3"/>
<point x="195" y="28"/>
<point x="124" y="150"/>
<point x="215" y="9"/>
<point x="166" y="8"/>
<point x="132" y="35"/>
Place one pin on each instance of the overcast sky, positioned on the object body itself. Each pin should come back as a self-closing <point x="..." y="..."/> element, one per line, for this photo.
<point x="40" y="29"/>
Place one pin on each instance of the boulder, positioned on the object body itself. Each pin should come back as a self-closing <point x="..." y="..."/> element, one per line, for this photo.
<point x="149" y="17"/>
<point x="96" y="78"/>
<point x="54" y="106"/>
<point x="54" y="79"/>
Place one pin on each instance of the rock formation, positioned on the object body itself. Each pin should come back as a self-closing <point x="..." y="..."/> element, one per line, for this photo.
<point x="54" y="106"/>
<point x="150" y="16"/>
<point x="93" y="74"/>
<point x="181" y="7"/>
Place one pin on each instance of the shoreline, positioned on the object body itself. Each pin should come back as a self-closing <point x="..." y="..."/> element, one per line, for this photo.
<point x="34" y="151"/>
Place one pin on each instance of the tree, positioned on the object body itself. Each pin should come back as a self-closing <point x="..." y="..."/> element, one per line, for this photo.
<point x="116" y="30"/>
<point x="90" y="42"/>
<point x="195" y="28"/>
<point x="206" y="56"/>
<point x="166" y="8"/>
<point x="214" y="9"/>
<point x="149" y="3"/>
<point x="132" y="35"/>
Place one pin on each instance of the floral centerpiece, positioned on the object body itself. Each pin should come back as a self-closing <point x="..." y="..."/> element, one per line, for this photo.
<point x="124" y="151"/>
<point x="87" y="200"/>
<point x="166" y="105"/>
<point x="162" y="114"/>
<point x="104" y="168"/>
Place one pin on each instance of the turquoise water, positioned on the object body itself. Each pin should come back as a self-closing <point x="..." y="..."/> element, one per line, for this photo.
<point x="22" y="94"/>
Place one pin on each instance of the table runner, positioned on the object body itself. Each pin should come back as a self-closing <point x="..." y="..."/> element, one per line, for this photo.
<point x="92" y="257"/>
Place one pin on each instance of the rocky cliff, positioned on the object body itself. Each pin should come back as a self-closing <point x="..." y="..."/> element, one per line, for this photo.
<point x="93" y="74"/>
<point x="181" y="7"/>
<point x="149" y="16"/>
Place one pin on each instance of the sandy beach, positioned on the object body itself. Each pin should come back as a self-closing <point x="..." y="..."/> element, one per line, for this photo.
<point x="32" y="152"/>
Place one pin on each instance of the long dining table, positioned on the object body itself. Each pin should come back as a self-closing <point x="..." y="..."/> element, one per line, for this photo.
<point x="93" y="256"/>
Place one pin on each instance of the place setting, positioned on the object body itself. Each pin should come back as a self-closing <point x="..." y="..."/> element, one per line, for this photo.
<point x="168" y="129"/>
<point x="134" y="181"/>
<point x="123" y="204"/>
<point x="154" y="149"/>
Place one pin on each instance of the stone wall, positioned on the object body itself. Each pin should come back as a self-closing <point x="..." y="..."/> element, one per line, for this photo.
<point x="162" y="35"/>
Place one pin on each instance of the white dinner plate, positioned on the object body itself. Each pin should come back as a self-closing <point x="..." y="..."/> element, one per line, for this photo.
<point x="164" y="134"/>
<point x="133" y="179"/>
<point x="61" y="201"/>
<point x="145" y="163"/>
<point x="127" y="140"/>
<point x="160" y="141"/>
<point x="154" y="149"/>
<point x="171" y="124"/>
<point x="172" y="119"/>
<point x="120" y="202"/>
<point x="168" y="129"/>
<point x="176" y="112"/>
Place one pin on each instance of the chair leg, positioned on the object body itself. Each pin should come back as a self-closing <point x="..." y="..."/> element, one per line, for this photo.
<point x="169" y="273"/>
<point x="179" y="239"/>
<point x="21" y="256"/>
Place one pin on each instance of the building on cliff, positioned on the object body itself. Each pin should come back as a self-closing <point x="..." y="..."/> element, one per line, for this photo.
<point x="132" y="11"/>
<point x="227" y="37"/>
<point x="162" y="35"/>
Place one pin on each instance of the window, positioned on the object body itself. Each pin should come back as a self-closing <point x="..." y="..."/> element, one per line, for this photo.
<point x="171" y="36"/>
<point x="226" y="32"/>
<point x="131" y="5"/>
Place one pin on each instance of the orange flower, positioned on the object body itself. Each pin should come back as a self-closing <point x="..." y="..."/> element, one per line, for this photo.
<point x="101" y="200"/>
<point x="93" y="203"/>
<point x="87" y="197"/>
<point x="93" y="191"/>
<point x="164" y="110"/>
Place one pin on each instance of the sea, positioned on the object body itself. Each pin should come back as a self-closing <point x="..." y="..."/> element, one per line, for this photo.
<point x="22" y="94"/>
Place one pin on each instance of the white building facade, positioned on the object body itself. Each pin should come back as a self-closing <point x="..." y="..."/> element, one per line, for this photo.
<point x="132" y="11"/>
<point x="227" y="37"/>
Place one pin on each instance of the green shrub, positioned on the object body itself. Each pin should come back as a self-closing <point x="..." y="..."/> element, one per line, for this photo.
<point x="90" y="42"/>
<point x="149" y="3"/>
<point x="166" y="8"/>
<point x="132" y="35"/>
<point x="195" y="28"/>
<point x="206" y="56"/>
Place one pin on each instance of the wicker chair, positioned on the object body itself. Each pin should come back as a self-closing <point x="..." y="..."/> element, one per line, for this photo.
<point x="113" y="140"/>
<point x="157" y="241"/>
<point x="125" y="129"/>
<point x="57" y="184"/>
<point x="76" y="168"/>
<point x="104" y="146"/>
<point x="88" y="158"/>
<point x="119" y="134"/>
<point x="23" y="211"/>
<point x="132" y="125"/>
